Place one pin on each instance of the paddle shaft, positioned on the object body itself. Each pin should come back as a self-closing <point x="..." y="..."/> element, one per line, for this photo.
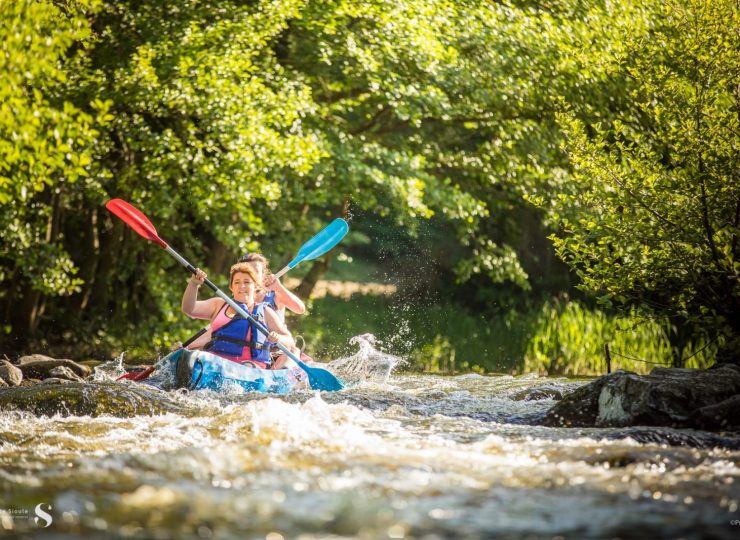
<point x="261" y="327"/>
<point x="282" y="272"/>
<point x="196" y="336"/>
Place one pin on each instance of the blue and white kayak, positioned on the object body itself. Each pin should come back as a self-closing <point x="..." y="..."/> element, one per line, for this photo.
<point x="200" y="370"/>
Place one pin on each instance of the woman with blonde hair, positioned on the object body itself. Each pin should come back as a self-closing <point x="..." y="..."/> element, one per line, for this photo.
<point x="232" y="337"/>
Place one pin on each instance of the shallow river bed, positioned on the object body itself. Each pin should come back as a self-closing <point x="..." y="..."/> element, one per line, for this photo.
<point x="416" y="457"/>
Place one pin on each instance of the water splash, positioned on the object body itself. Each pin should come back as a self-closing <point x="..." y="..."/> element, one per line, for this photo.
<point x="163" y="376"/>
<point x="367" y="364"/>
<point x="422" y="456"/>
<point x="111" y="370"/>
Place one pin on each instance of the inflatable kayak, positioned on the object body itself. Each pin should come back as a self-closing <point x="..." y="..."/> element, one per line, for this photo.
<point x="200" y="370"/>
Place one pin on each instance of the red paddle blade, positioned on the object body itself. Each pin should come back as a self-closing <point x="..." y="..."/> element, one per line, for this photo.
<point x="136" y="220"/>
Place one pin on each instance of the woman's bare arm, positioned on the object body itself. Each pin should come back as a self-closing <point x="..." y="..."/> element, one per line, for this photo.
<point x="283" y="297"/>
<point x="194" y="308"/>
<point x="279" y="333"/>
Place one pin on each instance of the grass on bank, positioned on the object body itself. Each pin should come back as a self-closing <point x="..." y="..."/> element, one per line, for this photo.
<point x="556" y="338"/>
<point x="560" y="338"/>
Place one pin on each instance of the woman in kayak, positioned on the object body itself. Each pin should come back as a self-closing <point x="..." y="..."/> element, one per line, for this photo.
<point x="275" y="295"/>
<point x="235" y="338"/>
<point x="269" y="290"/>
<point x="272" y="291"/>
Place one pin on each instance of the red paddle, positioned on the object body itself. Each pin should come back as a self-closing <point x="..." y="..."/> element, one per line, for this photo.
<point x="136" y="220"/>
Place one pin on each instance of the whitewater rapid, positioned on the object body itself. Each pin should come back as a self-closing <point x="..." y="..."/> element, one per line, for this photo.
<point x="413" y="456"/>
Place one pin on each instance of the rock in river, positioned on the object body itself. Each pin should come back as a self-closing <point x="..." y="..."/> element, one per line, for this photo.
<point x="63" y="372"/>
<point x="82" y="399"/>
<point x="40" y="366"/>
<point x="535" y="394"/>
<point x="9" y="374"/>
<point x="682" y="398"/>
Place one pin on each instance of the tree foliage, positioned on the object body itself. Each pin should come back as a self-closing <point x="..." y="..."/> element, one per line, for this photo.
<point x="650" y="215"/>
<point x="239" y="125"/>
<point x="46" y="147"/>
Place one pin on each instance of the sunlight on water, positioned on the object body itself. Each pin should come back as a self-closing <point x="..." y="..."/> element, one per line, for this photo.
<point x="395" y="456"/>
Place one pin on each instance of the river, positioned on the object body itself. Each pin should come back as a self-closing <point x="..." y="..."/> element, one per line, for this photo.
<point x="413" y="456"/>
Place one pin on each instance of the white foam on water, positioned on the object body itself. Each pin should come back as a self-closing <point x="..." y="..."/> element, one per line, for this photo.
<point x="111" y="370"/>
<point x="417" y="453"/>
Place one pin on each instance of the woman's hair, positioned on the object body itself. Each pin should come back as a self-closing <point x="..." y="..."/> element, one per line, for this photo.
<point x="245" y="269"/>
<point x="255" y="257"/>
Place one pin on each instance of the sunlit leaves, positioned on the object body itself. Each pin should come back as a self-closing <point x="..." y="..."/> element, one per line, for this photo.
<point x="46" y="142"/>
<point x="648" y="214"/>
<point x="206" y="101"/>
<point x="236" y="124"/>
<point x="499" y="263"/>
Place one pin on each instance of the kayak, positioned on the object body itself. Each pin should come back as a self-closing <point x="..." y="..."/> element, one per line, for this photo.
<point x="200" y="370"/>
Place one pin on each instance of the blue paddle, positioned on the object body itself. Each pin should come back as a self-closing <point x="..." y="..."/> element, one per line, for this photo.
<point x="319" y="379"/>
<point x="322" y="242"/>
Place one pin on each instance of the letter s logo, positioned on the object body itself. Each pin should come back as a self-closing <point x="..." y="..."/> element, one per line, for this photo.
<point x="43" y="515"/>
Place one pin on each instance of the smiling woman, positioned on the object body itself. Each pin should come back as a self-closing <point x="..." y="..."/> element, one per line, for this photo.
<point x="233" y="337"/>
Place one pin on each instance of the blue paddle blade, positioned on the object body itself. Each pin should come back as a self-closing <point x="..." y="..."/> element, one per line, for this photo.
<point x="329" y="237"/>
<point x="321" y="379"/>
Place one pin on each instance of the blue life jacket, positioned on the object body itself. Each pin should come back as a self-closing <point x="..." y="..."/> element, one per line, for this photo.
<point x="270" y="300"/>
<point x="233" y="337"/>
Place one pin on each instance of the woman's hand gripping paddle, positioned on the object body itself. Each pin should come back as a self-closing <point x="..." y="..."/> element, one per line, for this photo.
<point x="319" y="379"/>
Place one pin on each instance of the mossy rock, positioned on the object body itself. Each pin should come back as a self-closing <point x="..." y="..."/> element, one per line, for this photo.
<point x="87" y="399"/>
<point x="670" y="397"/>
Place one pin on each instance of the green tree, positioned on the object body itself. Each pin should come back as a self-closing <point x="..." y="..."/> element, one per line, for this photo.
<point x="46" y="149"/>
<point x="445" y="109"/>
<point x="238" y="125"/>
<point x="180" y="109"/>
<point x="651" y="214"/>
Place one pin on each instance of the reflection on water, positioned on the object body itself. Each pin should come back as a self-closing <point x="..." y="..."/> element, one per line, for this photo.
<point x="417" y="456"/>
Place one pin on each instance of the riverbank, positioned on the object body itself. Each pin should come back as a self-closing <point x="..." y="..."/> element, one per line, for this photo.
<point x="555" y="337"/>
<point x="551" y="337"/>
